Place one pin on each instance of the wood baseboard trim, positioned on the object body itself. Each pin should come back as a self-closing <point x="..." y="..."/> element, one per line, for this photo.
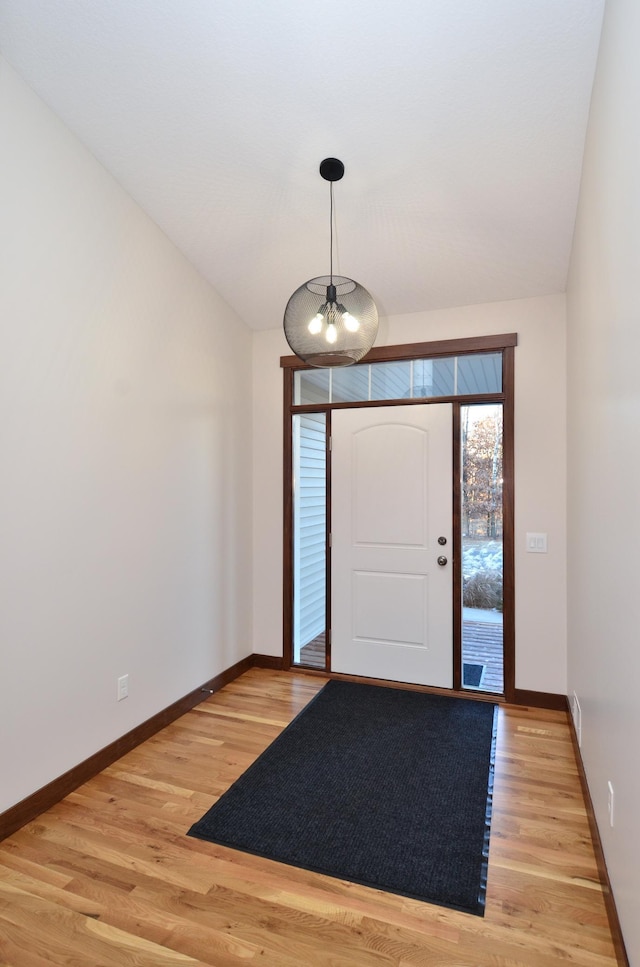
<point x="522" y="696"/>
<point x="609" y="901"/>
<point x="268" y="661"/>
<point x="31" y="807"/>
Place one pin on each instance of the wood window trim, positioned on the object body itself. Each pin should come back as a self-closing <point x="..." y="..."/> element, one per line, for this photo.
<point x="417" y="350"/>
<point x="504" y="343"/>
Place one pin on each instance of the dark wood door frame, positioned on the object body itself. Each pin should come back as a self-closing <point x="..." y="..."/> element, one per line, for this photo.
<point x="505" y="344"/>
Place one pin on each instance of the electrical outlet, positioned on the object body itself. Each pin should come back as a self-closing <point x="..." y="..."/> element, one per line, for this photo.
<point x="610" y="802"/>
<point x="576" y="713"/>
<point x="123" y="687"/>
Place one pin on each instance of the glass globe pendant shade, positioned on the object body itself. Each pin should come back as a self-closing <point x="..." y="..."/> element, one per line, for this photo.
<point x="331" y="321"/>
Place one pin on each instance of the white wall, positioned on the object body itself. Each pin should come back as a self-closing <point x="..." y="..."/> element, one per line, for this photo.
<point x="604" y="456"/>
<point x="125" y="507"/>
<point x="540" y="457"/>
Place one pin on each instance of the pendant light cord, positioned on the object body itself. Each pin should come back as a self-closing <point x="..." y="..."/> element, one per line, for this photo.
<point x="331" y="232"/>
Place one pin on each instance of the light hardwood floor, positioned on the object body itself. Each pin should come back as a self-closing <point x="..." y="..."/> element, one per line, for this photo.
<point x="108" y="878"/>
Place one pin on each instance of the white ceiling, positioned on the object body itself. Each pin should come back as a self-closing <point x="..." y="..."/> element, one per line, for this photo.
<point x="461" y="125"/>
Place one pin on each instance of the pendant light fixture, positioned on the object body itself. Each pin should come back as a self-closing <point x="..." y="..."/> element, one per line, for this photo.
<point x="331" y="320"/>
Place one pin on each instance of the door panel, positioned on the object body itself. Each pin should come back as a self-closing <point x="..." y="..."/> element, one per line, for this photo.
<point x="404" y="477"/>
<point x="391" y="501"/>
<point x="389" y="607"/>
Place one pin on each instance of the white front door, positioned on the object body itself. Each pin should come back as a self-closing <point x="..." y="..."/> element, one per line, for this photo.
<point x="391" y="486"/>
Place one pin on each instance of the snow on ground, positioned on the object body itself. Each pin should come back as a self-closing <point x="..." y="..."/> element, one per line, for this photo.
<point x="478" y="555"/>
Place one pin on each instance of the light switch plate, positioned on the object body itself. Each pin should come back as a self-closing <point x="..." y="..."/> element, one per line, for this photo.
<point x="537" y="543"/>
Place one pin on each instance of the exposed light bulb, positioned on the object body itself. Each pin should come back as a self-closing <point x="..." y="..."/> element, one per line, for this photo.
<point x="332" y="333"/>
<point x="315" y="325"/>
<point x="350" y="322"/>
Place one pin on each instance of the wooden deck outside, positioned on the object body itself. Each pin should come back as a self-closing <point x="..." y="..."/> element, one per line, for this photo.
<point x="482" y="644"/>
<point x="313" y="653"/>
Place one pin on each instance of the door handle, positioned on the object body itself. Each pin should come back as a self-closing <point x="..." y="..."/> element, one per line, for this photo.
<point x="442" y="560"/>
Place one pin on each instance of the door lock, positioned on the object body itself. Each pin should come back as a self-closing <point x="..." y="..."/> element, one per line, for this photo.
<point x="442" y="560"/>
<point x="442" y="541"/>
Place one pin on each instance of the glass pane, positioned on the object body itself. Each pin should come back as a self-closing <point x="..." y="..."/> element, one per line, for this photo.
<point x="350" y="384"/>
<point x="482" y="548"/>
<point x="309" y="539"/>
<point x="391" y="381"/>
<point x="311" y="386"/>
<point x="433" y="377"/>
<point x="405" y="379"/>
<point x="479" y="374"/>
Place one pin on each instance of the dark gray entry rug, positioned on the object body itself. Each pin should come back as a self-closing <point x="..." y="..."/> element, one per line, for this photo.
<point x="381" y="786"/>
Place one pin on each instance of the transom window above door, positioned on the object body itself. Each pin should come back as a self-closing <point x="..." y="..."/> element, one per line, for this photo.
<point x="405" y="379"/>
